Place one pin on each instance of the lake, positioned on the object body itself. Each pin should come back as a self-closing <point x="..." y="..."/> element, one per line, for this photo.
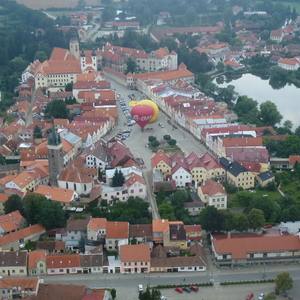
<point x="287" y="99"/>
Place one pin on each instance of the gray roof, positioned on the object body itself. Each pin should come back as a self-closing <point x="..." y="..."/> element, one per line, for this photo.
<point x="70" y="137"/>
<point x="265" y="175"/>
<point x="91" y="260"/>
<point x="13" y="259"/>
<point x="99" y="150"/>
<point x="232" y="167"/>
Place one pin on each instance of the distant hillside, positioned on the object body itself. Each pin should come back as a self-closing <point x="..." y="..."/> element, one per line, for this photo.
<point x="44" y="4"/>
<point x="25" y="35"/>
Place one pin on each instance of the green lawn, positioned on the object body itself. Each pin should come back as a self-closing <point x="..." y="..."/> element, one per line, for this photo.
<point x="292" y="4"/>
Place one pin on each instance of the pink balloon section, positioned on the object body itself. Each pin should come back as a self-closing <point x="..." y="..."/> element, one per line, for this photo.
<point x="142" y="114"/>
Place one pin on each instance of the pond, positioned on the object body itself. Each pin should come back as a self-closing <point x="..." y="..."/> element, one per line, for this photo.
<point x="287" y="99"/>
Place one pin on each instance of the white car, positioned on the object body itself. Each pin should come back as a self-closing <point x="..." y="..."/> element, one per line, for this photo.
<point x="140" y="288"/>
<point x="261" y="296"/>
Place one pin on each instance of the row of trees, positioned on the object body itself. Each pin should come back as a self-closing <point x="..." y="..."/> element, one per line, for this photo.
<point x="134" y="211"/>
<point x="37" y="209"/>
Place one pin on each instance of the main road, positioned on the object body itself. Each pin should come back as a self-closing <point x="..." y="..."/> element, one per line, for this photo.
<point x="126" y="285"/>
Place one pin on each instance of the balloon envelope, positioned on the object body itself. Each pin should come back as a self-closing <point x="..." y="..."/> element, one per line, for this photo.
<point x="142" y="114"/>
<point x="148" y="103"/>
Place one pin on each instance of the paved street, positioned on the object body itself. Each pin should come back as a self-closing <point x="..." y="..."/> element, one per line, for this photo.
<point x="126" y="285"/>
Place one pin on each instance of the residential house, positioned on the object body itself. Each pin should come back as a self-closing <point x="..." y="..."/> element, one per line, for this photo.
<point x="265" y="178"/>
<point x="51" y="246"/>
<point x="289" y="64"/>
<point x="262" y="249"/>
<point x="37" y="263"/>
<point x="162" y="162"/>
<point x="135" y="258"/>
<point x="117" y="234"/>
<point x="194" y="208"/>
<point x="16" y="288"/>
<point x="193" y="232"/>
<point x="54" y="291"/>
<point x="141" y="233"/>
<point x="181" y="175"/>
<point x="213" y="193"/>
<point x="63" y="264"/>
<point x="160" y="229"/>
<point x="13" y="263"/>
<point x="96" y="229"/>
<point x="97" y="156"/>
<point x="16" y="240"/>
<point x="11" y="222"/>
<point x="75" y="232"/>
<point x="91" y="263"/>
<point x="237" y="175"/>
<point x="176" y="235"/>
<point x="63" y="196"/>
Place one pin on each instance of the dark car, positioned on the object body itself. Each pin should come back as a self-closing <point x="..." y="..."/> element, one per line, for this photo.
<point x="187" y="289"/>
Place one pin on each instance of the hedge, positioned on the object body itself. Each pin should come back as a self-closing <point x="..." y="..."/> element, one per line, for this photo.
<point x="247" y="282"/>
<point x="171" y="286"/>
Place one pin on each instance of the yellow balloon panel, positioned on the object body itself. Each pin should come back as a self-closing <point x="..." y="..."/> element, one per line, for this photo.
<point x="149" y="103"/>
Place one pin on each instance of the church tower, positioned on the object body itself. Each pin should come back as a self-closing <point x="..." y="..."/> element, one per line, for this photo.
<point x="55" y="156"/>
<point x="74" y="47"/>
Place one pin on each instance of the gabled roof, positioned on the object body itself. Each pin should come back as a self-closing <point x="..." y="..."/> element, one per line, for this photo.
<point x="133" y="178"/>
<point x="97" y="224"/>
<point x="140" y="230"/>
<point x="117" y="230"/>
<point x="211" y="187"/>
<point x="160" y="156"/>
<point x="77" y="224"/>
<point x="55" y="193"/>
<point x="266" y="176"/>
<point x="34" y="257"/>
<point x="11" y="221"/>
<point x="160" y="225"/>
<point x="24" y="283"/>
<point x="239" y="247"/>
<point x="13" y="258"/>
<point x="58" y="261"/>
<point x="232" y="167"/>
<point x="135" y="253"/>
<point x="21" y="234"/>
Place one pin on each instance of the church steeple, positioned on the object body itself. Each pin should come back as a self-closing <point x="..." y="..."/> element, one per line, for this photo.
<point x="55" y="156"/>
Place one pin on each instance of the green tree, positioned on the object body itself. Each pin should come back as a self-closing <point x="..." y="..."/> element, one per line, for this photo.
<point x="118" y="178"/>
<point x="211" y="219"/>
<point x="167" y="137"/>
<point x="57" y="109"/>
<point x="113" y="293"/>
<point x="166" y="211"/>
<point x="40" y="210"/>
<point x="69" y="87"/>
<point x="256" y="218"/>
<point x="37" y="132"/>
<point x="172" y="142"/>
<point x="131" y="66"/>
<point x="240" y="222"/>
<point x="297" y="131"/>
<point x="152" y="294"/>
<point x="269" y="114"/>
<point x="283" y="283"/>
<point x="41" y="55"/>
<point x="246" y="109"/>
<point x="13" y="203"/>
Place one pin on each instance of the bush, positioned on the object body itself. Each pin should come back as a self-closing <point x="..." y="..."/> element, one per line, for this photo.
<point x="247" y="282"/>
<point x="173" y="286"/>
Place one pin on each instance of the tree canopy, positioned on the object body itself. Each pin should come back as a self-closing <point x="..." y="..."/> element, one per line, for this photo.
<point x="283" y="282"/>
<point x="118" y="179"/>
<point x="13" y="203"/>
<point x="57" y="109"/>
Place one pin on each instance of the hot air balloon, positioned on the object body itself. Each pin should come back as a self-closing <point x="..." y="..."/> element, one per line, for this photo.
<point x="142" y="114"/>
<point x="148" y="103"/>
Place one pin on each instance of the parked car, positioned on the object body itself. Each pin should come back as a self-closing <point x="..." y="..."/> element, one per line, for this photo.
<point x="250" y="296"/>
<point x="163" y="298"/>
<point x="179" y="290"/>
<point x="194" y="288"/>
<point x="187" y="289"/>
<point x="261" y="296"/>
<point x="140" y="288"/>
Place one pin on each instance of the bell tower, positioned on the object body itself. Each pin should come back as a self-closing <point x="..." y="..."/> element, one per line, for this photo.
<point x="55" y="156"/>
<point x="74" y="47"/>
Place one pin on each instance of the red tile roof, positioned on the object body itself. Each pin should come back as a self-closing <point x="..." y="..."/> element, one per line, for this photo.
<point x="56" y="194"/>
<point x="293" y="159"/>
<point x="242" y="142"/>
<point x="11" y="221"/>
<point x="34" y="257"/>
<point x="97" y="223"/>
<point x="25" y="283"/>
<point x="21" y="234"/>
<point x="158" y="157"/>
<point x="117" y="230"/>
<point x="239" y="247"/>
<point x="59" y="261"/>
<point x="135" y="253"/>
<point x="211" y="187"/>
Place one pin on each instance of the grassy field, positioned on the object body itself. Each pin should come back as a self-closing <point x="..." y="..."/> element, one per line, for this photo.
<point x="293" y="4"/>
